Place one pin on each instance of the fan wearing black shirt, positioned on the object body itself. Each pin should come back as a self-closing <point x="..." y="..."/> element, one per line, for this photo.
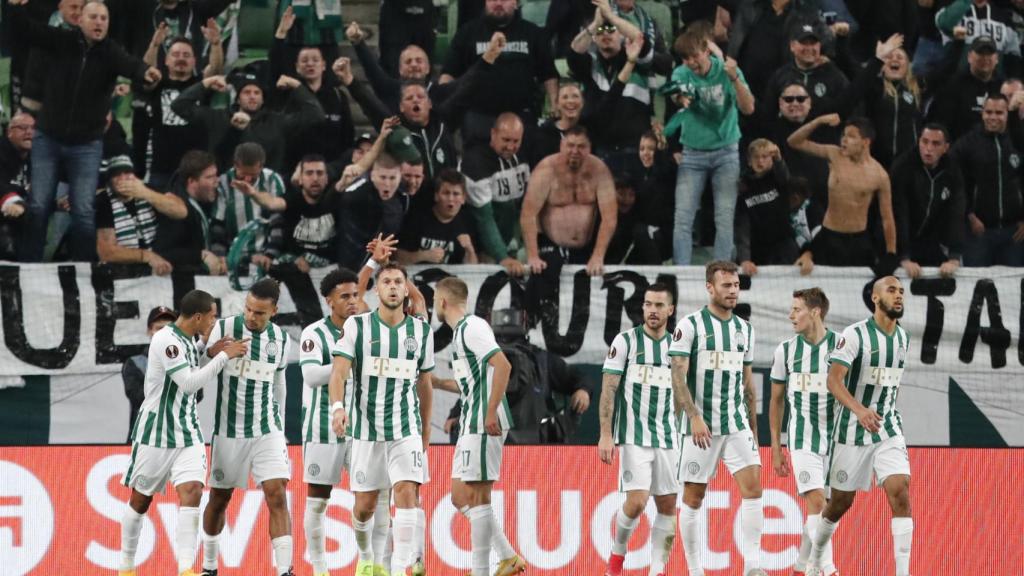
<point x="442" y="236"/>
<point x="368" y="208"/>
<point x="310" y="220"/>
<point x="763" y="231"/>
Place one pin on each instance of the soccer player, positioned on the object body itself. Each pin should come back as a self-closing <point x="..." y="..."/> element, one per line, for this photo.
<point x="799" y="375"/>
<point x="642" y="413"/>
<point x="392" y="355"/>
<point x="167" y="443"/>
<point x="712" y="350"/>
<point x="324" y="453"/>
<point x="864" y="375"/>
<point x="248" y="436"/>
<point x="481" y="372"/>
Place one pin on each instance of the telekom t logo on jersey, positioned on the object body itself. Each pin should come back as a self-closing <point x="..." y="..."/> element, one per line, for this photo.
<point x="26" y="519"/>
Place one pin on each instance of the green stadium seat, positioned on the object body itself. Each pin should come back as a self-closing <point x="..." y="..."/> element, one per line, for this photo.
<point x="662" y="16"/>
<point x="535" y="11"/>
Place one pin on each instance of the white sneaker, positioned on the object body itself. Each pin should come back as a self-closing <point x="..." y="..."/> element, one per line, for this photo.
<point x="757" y="572"/>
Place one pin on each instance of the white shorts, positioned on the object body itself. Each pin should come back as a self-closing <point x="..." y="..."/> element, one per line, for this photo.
<point x="808" y="470"/>
<point x="699" y="465"/>
<point x="852" y="466"/>
<point x="381" y="464"/>
<point x="232" y="459"/>
<point x="650" y="469"/>
<point x="478" y="457"/>
<point x="150" y="468"/>
<point x="322" y="463"/>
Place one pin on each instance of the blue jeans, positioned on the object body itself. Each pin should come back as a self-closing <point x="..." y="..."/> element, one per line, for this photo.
<point x="81" y="166"/>
<point x="722" y="167"/>
<point x="993" y="248"/>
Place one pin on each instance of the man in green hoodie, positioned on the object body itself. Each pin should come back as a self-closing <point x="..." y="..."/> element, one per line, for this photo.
<point x="710" y="92"/>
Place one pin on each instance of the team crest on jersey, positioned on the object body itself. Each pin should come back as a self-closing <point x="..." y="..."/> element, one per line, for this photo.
<point x="314" y="470"/>
<point x="677" y="335"/>
<point x="805" y="477"/>
<point x="739" y="338"/>
<point x="693" y="468"/>
<point x="411" y="344"/>
<point x="842" y="476"/>
<point x="820" y="90"/>
<point x="307" y="345"/>
<point x="172" y="351"/>
<point x="272" y="348"/>
<point x="1014" y="161"/>
<point x="611" y="353"/>
<point x="908" y="97"/>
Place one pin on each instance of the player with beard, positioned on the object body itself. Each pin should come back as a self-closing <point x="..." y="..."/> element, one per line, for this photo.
<point x="864" y="375"/>
<point x="568" y="191"/>
<point x="712" y="352"/>
<point x="481" y="373"/>
<point x="310" y="233"/>
<point x="641" y="418"/>
<point x="392" y="355"/>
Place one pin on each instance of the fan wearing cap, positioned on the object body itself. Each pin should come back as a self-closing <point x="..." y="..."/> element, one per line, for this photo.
<point x="820" y="75"/>
<point x="969" y="20"/>
<point x="249" y="120"/>
<point x="126" y="217"/>
<point x="958" y="103"/>
<point x="133" y="370"/>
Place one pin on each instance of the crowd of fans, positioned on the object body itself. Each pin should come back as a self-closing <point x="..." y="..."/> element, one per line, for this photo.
<point x="796" y="132"/>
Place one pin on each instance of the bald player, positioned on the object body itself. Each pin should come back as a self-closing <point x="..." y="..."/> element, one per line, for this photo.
<point x="855" y="180"/>
<point x="568" y="191"/>
<point x="864" y="374"/>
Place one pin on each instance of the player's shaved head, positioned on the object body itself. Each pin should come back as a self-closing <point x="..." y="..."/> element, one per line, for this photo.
<point x="196" y="302"/>
<point x="884" y="282"/>
<point x="508" y="121"/>
<point x="454" y="289"/>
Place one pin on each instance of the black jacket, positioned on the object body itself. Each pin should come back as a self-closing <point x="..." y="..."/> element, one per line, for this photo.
<point x="958" y="104"/>
<point x="991" y="166"/>
<point x="610" y="99"/>
<point x="268" y="128"/>
<point x="748" y="37"/>
<point x="388" y="88"/>
<point x="928" y="204"/>
<point x="826" y="84"/>
<point x="762" y="214"/>
<point x="75" y="107"/>
<point x="181" y="242"/>
<point x="897" y="118"/>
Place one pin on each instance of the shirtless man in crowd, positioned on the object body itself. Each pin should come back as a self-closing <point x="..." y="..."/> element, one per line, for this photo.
<point x="855" y="178"/>
<point x="568" y="190"/>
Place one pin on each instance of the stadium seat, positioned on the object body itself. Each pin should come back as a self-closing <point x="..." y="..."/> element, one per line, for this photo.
<point x="536" y="11"/>
<point x="256" y="25"/>
<point x="662" y="16"/>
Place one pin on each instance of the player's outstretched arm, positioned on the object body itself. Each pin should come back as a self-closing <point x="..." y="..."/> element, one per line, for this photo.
<point x="605" y="446"/>
<point x="801" y="138"/>
<point x="869" y="419"/>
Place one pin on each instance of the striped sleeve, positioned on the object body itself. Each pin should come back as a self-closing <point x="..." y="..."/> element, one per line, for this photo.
<point x="615" y="362"/>
<point x="780" y="373"/>
<point x="847" y="348"/>
<point x="346" y="345"/>
<point x="427" y="352"/>
<point x="682" y="338"/>
<point x="172" y="353"/>
<point x="310" y="348"/>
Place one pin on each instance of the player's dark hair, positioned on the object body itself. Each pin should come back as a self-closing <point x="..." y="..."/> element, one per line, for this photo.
<point x="719" y="266"/>
<point x="863" y="125"/>
<point x="335" y="278"/>
<point x="181" y="40"/>
<point x="266" y="289"/>
<point x="194" y="163"/>
<point x="391" y="266"/>
<point x="663" y="287"/>
<point x="938" y="127"/>
<point x="813" y="298"/>
<point x="454" y="286"/>
<point x="450" y="176"/>
<point x="577" y="130"/>
<point x="311" y="159"/>
<point x="250" y="154"/>
<point x="195" y="302"/>
<point x="997" y="96"/>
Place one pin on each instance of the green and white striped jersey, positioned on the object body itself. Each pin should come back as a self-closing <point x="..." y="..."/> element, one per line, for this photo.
<point x="386" y="362"/>
<point x="318" y="340"/>
<point x="718" y="350"/>
<point x="247" y="406"/>
<point x="875" y="361"/>
<point x="803" y="368"/>
<point x="235" y="209"/>
<point x="644" y="405"/>
<point x="167" y="418"/>
<point x="473" y="344"/>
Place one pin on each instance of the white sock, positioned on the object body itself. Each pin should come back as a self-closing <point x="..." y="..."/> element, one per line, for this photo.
<point x="282" y="553"/>
<point x="421" y="533"/>
<point x="364" y="538"/>
<point x="499" y="542"/>
<point x="902" y="537"/>
<point x="381" y="526"/>
<point x="663" y="533"/>
<point x="210" y="543"/>
<point x="405" y="539"/>
<point x="810" y="525"/>
<point x="313" y="524"/>
<point x="480" y="534"/>
<point x="751" y="521"/>
<point x="389" y="547"/>
<point x="624" y="526"/>
<point x="819" y="539"/>
<point x="185" y="535"/>
<point x="691" y="539"/>
<point x="131" y="525"/>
